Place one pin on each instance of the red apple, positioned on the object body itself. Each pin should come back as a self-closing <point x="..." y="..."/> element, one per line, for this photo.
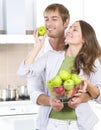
<point x="59" y="90"/>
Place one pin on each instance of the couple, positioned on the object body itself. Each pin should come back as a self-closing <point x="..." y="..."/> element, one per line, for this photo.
<point x="80" y="55"/>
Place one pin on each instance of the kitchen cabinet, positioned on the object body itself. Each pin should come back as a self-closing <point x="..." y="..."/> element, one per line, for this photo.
<point x="97" y="109"/>
<point x="18" y="115"/>
<point x="1" y="15"/>
<point x="91" y="14"/>
<point x="15" y="20"/>
<point x="28" y="14"/>
<point x="21" y="122"/>
<point x="33" y="14"/>
<point x="98" y="113"/>
<point x="17" y="16"/>
<point x="36" y="18"/>
<point x="75" y="7"/>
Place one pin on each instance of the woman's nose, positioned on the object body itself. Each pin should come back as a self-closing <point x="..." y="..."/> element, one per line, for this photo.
<point x="67" y="33"/>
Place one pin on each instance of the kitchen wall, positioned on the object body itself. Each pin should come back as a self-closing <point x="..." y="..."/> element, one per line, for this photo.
<point x="11" y="55"/>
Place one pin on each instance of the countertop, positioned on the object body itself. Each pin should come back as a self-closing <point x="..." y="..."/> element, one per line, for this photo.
<point x="16" y="39"/>
<point x="18" y="107"/>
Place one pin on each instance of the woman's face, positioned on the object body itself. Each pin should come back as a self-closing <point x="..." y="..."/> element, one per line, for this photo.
<point x="74" y="35"/>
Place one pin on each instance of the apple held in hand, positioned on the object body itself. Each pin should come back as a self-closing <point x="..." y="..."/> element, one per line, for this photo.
<point x="42" y="31"/>
<point x="76" y="78"/>
<point x="59" y="90"/>
<point x="64" y="74"/>
<point x="68" y="84"/>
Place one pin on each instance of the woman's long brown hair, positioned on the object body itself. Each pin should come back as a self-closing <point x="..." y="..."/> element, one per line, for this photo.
<point x="89" y="51"/>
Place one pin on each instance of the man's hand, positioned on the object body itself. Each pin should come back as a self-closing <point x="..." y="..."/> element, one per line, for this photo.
<point x="56" y="104"/>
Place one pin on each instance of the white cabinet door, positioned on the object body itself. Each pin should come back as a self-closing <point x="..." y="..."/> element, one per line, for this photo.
<point x="97" y="109"/>
<point x="18" y="122"/>
<point x="92" y="9"/>
<point x="15" y="22"/>
<point x="98" y="125"/>
<point x="75" y="7"/>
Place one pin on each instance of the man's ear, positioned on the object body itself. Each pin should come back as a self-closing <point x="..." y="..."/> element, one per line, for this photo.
<point x="83" y="41"/>
<point x="66" y="23"/>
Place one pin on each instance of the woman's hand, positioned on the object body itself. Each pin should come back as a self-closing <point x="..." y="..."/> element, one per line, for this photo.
<point x="81" y="96"/>
<point x="76" y="100"/>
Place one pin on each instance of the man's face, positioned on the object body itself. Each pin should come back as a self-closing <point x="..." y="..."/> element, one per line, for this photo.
<point x="54" y="24"/>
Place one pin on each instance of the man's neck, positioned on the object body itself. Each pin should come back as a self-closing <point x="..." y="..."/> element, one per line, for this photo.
<point x="57" y="44"/>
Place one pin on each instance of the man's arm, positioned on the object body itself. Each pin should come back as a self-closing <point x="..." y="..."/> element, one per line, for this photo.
<point x="39" y="42"/>
<point x="27" y="64"/>
<point x="55" y="103"/>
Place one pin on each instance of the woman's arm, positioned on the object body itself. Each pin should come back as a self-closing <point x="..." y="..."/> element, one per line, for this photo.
<point x="92" y="89"/>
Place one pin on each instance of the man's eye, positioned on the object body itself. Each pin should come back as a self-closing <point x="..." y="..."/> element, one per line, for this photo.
<point x="55" y="19"/>
<point x="46" y="20"/>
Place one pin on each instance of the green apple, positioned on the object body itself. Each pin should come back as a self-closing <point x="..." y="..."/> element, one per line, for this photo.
<point x="68" y="84"/>
<point x="42" y="31"/>
<point x="49" y="85"/>
<point x="56" y="81"/>
<point x="76" y="78"/>
<point x="64" y="74"/>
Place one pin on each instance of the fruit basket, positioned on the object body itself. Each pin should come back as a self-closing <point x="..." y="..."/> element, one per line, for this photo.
<point x="64" y="85"/>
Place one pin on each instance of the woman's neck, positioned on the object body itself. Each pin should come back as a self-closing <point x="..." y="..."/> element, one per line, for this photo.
<point x="73" y="51"/>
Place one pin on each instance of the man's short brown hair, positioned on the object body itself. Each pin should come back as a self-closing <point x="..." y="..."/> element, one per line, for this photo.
<point x="63" y="11"/>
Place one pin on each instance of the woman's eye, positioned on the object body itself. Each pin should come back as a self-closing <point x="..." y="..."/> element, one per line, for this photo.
<point x="74" y="30"/>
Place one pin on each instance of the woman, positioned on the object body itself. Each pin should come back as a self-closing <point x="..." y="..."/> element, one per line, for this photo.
<point x="79" y="56"/>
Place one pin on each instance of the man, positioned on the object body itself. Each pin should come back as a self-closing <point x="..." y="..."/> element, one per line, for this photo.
<point x="56" y="18"/>
<point x="56" y="25"/>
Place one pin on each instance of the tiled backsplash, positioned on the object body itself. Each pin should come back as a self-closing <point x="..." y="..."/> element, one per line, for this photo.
<point x="11" y="56"/>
